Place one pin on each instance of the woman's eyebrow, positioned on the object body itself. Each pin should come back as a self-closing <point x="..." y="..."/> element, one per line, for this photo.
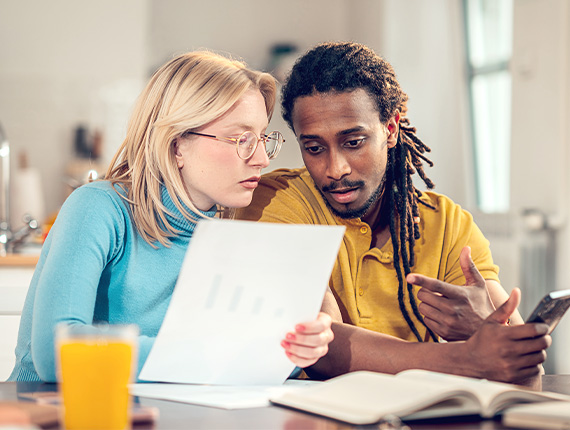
<point x="243" y="126"/>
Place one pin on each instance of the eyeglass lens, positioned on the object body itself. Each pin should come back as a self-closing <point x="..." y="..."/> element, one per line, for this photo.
<point x="273" y="144"/>
<point x="247" y="144"/>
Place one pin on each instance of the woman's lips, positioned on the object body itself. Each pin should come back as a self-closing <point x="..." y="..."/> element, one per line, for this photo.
<point x="250" y="183"/>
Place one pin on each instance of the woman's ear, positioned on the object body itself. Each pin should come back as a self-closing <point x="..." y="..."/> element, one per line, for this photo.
<point x="393" y="129"/>
<point x="178" y="154"/>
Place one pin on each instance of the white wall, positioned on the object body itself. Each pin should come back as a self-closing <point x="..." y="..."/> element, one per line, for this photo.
<point x="63" y="63"/>
<point x="540" y="115"/>
<point x="562" y="335"/>
<point x="541" y="134"/>
<point x="425" y="44"/>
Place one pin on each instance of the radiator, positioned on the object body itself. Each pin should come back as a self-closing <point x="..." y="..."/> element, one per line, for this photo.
<point x="538" y="276"/>
<point x="537" y="268"/>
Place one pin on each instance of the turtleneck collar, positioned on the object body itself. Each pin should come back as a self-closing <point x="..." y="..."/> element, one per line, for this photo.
<point x="175" y="217"/>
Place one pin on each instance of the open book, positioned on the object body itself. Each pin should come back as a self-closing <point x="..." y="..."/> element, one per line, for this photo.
<point x="368" y="397"/>
<point x="543" y="415"/>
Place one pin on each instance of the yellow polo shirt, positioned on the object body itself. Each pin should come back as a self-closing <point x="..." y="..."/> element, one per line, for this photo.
<point x="364" y="280"/>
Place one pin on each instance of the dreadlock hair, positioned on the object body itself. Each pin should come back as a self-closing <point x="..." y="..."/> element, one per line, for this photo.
<point x="346" y="66"/>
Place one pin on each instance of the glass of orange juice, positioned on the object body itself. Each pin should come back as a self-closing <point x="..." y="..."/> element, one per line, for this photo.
<point x="95" y="365"/>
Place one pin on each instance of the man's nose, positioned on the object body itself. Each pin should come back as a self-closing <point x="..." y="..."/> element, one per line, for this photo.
<point x="338" y="166"/>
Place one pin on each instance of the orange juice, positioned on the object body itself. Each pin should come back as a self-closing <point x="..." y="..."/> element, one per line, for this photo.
<point x="94" y="375"/>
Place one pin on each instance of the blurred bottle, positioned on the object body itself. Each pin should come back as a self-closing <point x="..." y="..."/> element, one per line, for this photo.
<point x="86" y="165"/>
<point x="27" y="194"/>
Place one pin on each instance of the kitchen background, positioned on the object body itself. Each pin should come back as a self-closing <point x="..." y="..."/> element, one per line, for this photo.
<point x="70" y="71"/>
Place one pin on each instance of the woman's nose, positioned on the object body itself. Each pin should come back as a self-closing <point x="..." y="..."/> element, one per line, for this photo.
<point x="260" y="157"/>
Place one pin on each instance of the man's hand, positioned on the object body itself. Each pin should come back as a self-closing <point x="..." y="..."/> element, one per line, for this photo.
<point x="451" y="311"/>
<point x="309" y="342"/>
<point x="509" y="353"/>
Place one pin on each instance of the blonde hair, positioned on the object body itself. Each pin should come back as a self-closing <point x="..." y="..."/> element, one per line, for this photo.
<point x="188" y="92"/>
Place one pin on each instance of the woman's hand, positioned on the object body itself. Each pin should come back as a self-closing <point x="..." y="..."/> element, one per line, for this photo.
<point x="309" y="342"/>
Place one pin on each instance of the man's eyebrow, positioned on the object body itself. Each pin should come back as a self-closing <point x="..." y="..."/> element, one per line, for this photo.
<point x="309" y="136"/>
<point x="356" y="129"/>
<point x="351" y="130"/>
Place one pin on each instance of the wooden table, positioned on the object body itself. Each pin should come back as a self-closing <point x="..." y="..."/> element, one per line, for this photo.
<point x="175" y="415"/>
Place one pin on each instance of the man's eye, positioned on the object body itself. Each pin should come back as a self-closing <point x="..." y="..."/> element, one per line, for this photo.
<point x="354" y="143"/>
<point x="314" y="149"/>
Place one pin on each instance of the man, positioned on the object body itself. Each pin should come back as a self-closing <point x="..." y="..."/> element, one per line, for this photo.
<point x="348" y="112"/>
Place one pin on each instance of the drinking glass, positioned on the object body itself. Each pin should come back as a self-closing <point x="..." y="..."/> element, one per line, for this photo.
<point x="95" y="365"/>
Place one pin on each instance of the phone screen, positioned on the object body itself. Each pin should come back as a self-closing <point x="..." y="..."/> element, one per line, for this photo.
<point x="551" y="309"/>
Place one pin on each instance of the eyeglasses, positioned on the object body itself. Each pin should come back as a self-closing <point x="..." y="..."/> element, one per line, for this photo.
<point x="246" y="143"/>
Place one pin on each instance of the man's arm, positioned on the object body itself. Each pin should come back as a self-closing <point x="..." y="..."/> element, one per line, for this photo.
<point x="499" y="296"/>
<point x="496" y="351"/>
<point x="456" y="312"/>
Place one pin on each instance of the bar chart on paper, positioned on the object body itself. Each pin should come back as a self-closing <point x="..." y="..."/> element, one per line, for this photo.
<point x="239" y="301"/>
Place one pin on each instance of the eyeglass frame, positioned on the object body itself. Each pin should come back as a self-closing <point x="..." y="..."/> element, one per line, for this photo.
<point x="235" y="140"/>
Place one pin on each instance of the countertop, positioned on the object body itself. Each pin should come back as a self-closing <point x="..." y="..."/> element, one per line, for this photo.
<point x="19" y="260"/>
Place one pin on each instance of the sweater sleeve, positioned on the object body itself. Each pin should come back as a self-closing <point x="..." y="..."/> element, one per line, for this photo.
<point x="85" y="237"/>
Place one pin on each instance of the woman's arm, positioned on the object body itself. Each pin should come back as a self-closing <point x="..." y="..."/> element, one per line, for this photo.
<point x="84" y="238"/>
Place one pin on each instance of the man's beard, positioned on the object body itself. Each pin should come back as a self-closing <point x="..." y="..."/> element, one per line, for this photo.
<point x="352" y="213"/>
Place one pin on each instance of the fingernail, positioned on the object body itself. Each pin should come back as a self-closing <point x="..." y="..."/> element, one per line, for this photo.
<point x="411" y="279"/>
<point x="300" y="327"/>
<point x="290" y="336"/>
<point x="285" y="344"/>
<point x="541" y="328"/>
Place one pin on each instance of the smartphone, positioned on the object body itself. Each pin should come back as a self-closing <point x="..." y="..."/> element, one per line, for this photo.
<point x="551" y="309"/>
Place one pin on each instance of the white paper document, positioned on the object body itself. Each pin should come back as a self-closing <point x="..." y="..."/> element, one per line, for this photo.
<point x="242" y="287"/>
<point x="217" y="396"/>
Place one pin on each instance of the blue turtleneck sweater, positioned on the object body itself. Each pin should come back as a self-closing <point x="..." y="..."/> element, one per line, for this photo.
<point x="95" y="267"/>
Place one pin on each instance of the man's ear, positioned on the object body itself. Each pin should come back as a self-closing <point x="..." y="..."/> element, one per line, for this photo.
<point x="393" y="129"/>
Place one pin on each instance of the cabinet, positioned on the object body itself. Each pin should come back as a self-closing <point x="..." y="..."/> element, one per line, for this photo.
<point x="14" y="283"/>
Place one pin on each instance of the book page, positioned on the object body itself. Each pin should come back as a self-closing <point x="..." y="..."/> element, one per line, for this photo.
<point x="484" y="390"/>
<point x="367" y="397"/>
<point x="544" y="415"/>
<point x="492" y="396"/>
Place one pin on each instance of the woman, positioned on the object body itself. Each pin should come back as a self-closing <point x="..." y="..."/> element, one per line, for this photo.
<point x="114" y="253"/>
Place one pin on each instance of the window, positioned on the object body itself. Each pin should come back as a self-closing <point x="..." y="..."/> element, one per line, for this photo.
<point x="489" y="29"/>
